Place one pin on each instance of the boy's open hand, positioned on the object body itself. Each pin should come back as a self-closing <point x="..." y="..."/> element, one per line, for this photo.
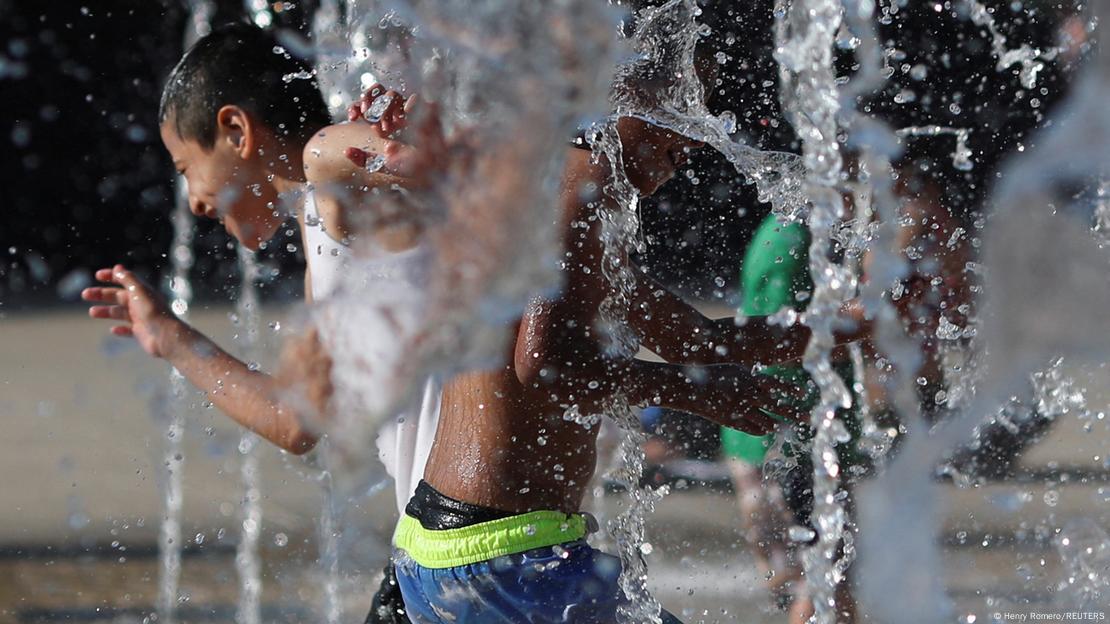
<point x="144" y="315"/>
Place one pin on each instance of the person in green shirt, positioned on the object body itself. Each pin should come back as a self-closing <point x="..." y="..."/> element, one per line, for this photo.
<point x="775" y="275"/>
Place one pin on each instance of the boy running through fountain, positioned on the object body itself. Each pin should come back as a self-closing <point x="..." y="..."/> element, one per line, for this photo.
<point x="243" y="138"/>
<point x="242" y="157"/>
<point x="248" y="141"/>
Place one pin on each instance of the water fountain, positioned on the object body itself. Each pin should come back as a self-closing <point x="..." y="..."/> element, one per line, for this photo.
<point x="170" y="532"/>
<point x="356" y="47"/>
<point x="246" y="557"/>
<point x="1016" y="340"/>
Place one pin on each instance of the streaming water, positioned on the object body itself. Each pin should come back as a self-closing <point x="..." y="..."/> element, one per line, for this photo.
<point x="619" y="235"/>
<point x="246" y="557"/>
<point x="181" y="259"/>
<point x="169" y="542"/>
<point x="806" y="32"/>
<point x="328" y="528"/>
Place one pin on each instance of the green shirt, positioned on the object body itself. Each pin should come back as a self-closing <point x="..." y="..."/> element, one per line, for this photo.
<point x="775" y="271"/>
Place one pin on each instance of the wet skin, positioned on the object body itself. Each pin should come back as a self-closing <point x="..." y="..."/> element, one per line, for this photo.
<point x="239" y="179"/>
<point x="502" y="440"/>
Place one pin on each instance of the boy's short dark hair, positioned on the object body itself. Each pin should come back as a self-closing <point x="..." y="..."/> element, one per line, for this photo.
<point x="242" y="65"/>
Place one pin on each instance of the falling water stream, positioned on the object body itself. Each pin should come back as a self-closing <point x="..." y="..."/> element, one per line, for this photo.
<point x="806" y="34"/>
<point x="181" y="259"/>
<point x="246" y="556"/>
<point x="169" y="542"/>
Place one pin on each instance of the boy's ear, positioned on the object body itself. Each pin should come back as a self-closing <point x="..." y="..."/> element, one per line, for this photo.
<point x="235" y="130"/>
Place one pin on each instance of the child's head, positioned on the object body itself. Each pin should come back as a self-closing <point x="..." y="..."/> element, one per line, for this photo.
<point x="235" y="115"/>
<point x="652" y="154"/>
<point x="658" y="79"/>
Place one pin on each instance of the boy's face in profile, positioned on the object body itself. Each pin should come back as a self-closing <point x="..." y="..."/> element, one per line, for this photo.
<point x="652" y="155"/>
<point x="227" y="182"/>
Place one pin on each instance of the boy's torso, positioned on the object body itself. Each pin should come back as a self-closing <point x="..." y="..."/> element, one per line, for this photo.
<point x="502" y="446"/>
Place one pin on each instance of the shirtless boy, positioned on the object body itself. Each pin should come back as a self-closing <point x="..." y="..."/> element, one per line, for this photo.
<point x="494" y="533"/>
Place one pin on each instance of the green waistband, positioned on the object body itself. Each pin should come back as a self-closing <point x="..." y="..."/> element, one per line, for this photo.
<point x="480" y="542"/>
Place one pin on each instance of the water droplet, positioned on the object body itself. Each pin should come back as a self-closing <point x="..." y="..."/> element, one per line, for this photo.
<point x="377" y="108"/>
<point x="375" y="164"/>
<point x="300" y="75"/>
<point x="801" y="534"/>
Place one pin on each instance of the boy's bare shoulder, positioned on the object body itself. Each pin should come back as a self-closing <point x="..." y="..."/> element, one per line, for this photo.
<point x="325" y="155"/>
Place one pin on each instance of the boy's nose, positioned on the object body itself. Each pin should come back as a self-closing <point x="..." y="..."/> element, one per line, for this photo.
<point x="198" y="207"/>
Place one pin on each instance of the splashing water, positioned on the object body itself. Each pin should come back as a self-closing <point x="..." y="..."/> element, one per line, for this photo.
<point x="1028" y="57"/>
<point x="1031" y="250"/>
<point x="1084" y="547"/>
<point x="1102" y="210"/>
<point x="961" y="157"/>
<point x="664" y="39"/>
<point x="491" y="68"/>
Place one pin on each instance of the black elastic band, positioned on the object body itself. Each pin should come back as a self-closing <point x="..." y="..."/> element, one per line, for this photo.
<point x="437" y="511"/>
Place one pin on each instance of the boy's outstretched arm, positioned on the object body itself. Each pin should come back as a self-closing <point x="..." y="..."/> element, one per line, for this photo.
<point x="677" y="332"/>
<point x="727" y="394"/>
<point x="249" y="397"/>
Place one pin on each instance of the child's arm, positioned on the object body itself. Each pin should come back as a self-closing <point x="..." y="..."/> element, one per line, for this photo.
<point x="335" y="163"/>
<point x="677" y="332"/>
<point x="727" y="394"/>
<point x="251" y="398"/>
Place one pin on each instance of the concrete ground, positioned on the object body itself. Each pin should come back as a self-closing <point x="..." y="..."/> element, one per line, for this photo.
<point x="84" y="431"/>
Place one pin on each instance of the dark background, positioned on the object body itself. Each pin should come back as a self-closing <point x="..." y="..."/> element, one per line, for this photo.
<point x="85" y="182"/>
